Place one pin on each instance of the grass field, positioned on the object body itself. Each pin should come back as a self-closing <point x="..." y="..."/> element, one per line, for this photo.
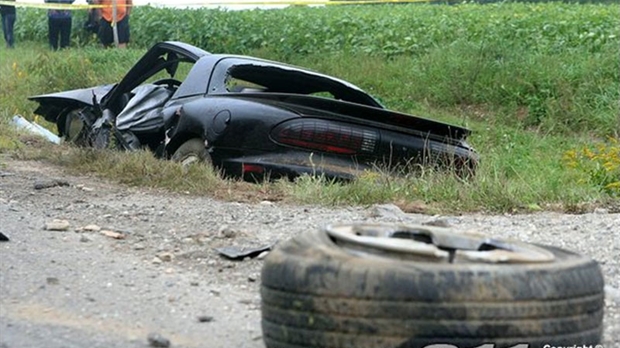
<point x="538" y="84"/>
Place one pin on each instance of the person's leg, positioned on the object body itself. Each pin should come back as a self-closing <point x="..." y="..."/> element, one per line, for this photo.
<point x="123" y="32"/>
<point x="10" y="27"/>
<point x="105" y="33"/>
<point x="4" y="29"/>
<point x="65" y="33"/>
<point x="53" y="33"/>
<point x="7" y="29"/>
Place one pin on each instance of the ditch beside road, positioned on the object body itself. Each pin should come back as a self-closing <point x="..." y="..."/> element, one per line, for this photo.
<point x="135" y="261"/>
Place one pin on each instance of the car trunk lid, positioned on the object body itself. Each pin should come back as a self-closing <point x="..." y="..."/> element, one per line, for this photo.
<point x="346" y="111"/>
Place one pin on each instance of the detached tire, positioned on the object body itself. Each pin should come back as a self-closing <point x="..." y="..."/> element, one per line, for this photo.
<point x="192" y="151"/>
<point x="329" y="290"/>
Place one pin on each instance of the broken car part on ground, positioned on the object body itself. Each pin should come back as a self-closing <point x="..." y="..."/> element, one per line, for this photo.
<point x="408" y="286"/>
<point x="251" y="117"/>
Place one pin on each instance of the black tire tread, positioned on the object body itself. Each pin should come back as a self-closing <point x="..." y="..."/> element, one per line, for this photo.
<point x="320" y="295"/>
<point x="366" y="308"/>
<point x="275" y="337"/>
<point x="453" y="327"/>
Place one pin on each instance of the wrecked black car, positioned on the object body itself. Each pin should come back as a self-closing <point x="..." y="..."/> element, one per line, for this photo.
<point x="251" y="117"/>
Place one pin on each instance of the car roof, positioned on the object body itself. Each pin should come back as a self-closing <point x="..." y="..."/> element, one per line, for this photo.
<point x="276" y="76"/>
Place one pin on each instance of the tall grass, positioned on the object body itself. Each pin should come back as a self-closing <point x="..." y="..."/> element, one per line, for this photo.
<point x="519" y="172"/>
<point x="553" y="93"/>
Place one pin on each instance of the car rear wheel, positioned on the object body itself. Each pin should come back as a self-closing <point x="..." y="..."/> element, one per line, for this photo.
<point x="398" y="286"/>
<point x="191" y="152"/>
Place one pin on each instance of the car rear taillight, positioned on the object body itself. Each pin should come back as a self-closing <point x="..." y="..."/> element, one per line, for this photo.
<point x="252" y="168"/>
<point x="326" y="136"/>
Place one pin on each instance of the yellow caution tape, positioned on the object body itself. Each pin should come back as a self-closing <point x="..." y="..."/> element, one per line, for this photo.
<point x="50" y="6"/>
<point x="57" y="6"/>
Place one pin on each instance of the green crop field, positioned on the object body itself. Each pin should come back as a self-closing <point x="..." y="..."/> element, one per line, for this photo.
<point x="539" y="84"/>
<point x="385" y="30"/>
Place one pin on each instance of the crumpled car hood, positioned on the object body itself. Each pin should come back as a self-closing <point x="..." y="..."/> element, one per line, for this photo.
<point x="50" y="105"/>
<point x="83" y="95"/>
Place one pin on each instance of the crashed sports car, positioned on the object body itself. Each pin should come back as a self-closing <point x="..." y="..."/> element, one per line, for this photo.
<point x="250" y="118"/>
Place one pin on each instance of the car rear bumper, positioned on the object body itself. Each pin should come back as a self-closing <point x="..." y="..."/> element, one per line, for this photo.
<point x="291" y="165"/>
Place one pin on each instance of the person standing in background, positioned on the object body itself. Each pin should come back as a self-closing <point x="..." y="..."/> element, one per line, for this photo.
<point x="107" y="22"/>
<point x="92" y="20"/>
<point x="8" y="23"/>
<point x="59" y="22"/>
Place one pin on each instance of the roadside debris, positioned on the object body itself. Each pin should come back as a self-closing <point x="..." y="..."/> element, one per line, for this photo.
<point x="84" y="188"/>
<point x="21" y="123"/>
<point x="227" y="232"/>
<point x="3" y="238"/>
<point x="389" y="211"/>
<point x="41" y="185"/>
<point x="112" y="234"/>
<point x="262" y="255"/>
<point x="5" y="174"/>
<point x="157" y="340"/>
<point x="139" y="246"/>
<point x="165" y="256"/>
<point x="156" y="261"/>
<point x="240" y="253"/>
<point x="205" y="319"/>
<point x="89" y="228"/>
<point x="57" y="225"/>
<point x="439" y="222"/>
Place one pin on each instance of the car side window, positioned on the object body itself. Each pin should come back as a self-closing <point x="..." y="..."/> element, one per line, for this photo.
<point x="180" y="74"/>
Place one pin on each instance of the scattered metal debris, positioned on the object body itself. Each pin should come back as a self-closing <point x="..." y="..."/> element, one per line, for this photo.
<point x="41" y="185"/>
<point x="205" y="319"/>
<point x="240" y="253"/>
<point x="157" y="340"/>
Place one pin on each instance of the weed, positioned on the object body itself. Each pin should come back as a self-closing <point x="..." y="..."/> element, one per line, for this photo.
<point x="600" y="164"/>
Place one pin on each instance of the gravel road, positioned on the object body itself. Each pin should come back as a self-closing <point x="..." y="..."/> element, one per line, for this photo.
<point x="82" y="287"/>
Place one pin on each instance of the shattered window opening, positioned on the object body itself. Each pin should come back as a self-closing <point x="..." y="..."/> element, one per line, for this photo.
<point x="252" y="77"/>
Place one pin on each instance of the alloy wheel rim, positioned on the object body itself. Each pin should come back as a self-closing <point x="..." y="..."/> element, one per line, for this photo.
<point x="433" y="244"/>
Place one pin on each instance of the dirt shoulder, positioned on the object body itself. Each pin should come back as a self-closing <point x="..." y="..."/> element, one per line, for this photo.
<point x="83" y="288"/>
